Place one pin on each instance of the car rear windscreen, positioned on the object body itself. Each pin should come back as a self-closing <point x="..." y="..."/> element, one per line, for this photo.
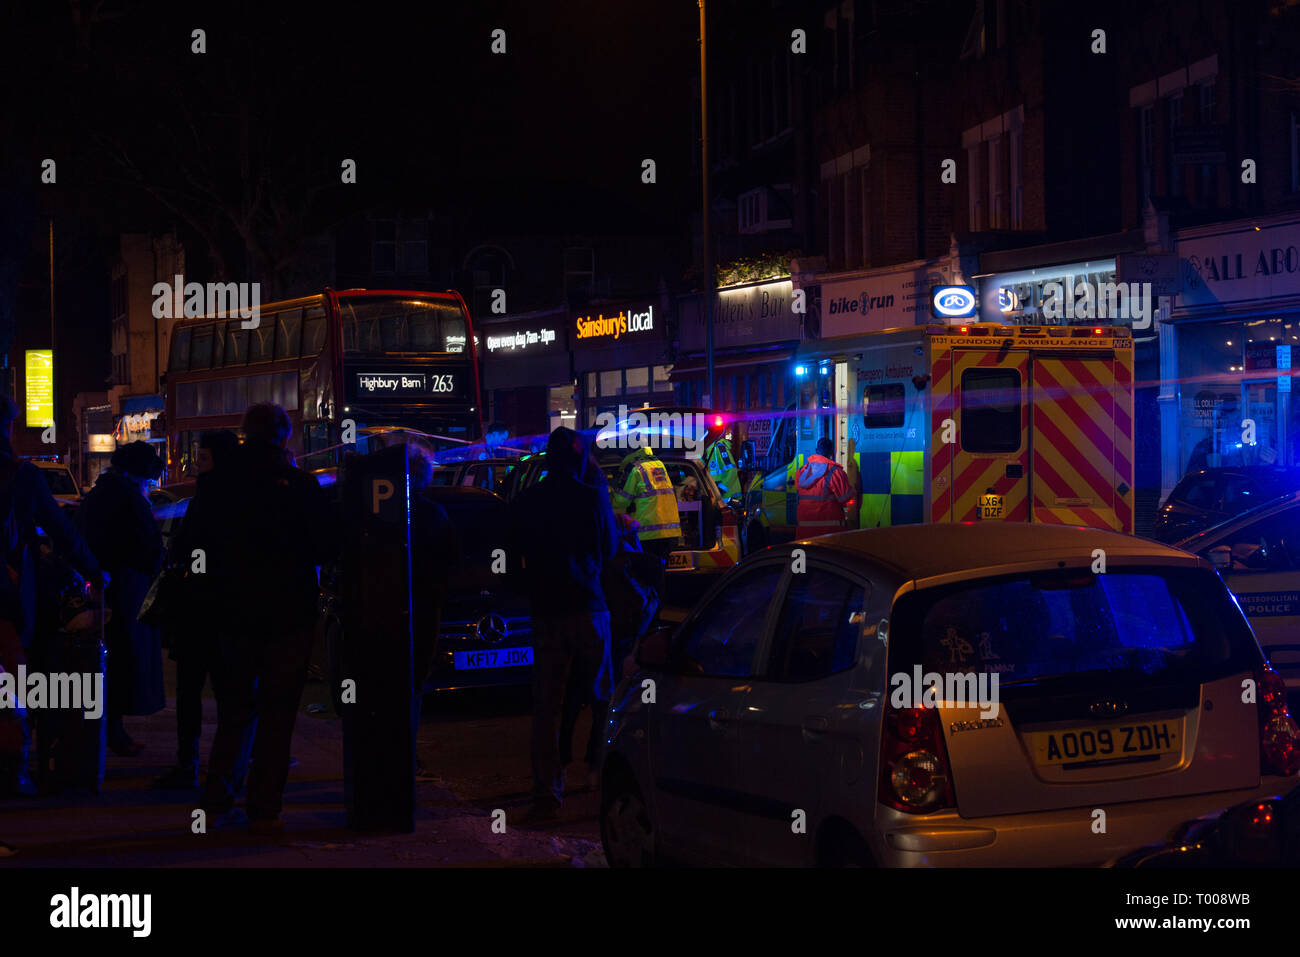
<point x="59" y="481"/>
<point x="1167" y="623"/>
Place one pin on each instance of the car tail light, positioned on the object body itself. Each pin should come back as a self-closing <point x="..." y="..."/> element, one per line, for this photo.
<point x="914" y="774"/>
<point x="1279" y="736"/>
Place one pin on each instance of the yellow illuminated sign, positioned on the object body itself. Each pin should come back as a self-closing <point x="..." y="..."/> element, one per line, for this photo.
<point x="40" y="388"/>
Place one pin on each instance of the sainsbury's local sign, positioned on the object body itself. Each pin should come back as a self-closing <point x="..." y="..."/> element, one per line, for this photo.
<point x="613" y="325"/>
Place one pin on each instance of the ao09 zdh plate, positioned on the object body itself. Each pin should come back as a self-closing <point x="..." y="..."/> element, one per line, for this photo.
<point x="1106" y="743"/>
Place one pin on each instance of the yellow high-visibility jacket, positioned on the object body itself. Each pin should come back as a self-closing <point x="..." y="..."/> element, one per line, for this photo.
<point x="648" y="491"/>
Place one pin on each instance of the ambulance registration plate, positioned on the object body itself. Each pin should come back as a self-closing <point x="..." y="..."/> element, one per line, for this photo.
<point x="1076" y="745"/>
<point x="681" y="561"/>
<point x="991" y="506"/>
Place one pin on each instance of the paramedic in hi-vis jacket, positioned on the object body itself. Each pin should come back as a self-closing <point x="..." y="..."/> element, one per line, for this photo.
<point x="647" y="492"/>
<point x="824" y="493"/>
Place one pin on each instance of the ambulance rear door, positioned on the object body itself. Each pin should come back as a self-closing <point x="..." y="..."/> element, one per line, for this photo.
<point x="1081" y="437"/>
<point x="884" y="432"/>
<point x="988" y="466"/>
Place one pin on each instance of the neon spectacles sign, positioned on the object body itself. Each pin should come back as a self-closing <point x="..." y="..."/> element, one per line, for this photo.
<point x="953" y="302"/>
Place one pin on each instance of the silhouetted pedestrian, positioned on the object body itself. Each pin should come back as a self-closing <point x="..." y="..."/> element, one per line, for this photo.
<point x="269" y="535"/>
<point x="564" y="533"/>
<point x="435" y="553"/>
<point x="117" y="521"/>
<point x="192" y="635"/>
<point x="25" y="501"/>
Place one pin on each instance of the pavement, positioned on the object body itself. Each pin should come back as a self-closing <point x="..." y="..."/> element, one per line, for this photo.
<point x="475" y="742"/>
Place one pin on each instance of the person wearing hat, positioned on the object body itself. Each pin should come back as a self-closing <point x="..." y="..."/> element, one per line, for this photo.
<point x="116" y="519"/>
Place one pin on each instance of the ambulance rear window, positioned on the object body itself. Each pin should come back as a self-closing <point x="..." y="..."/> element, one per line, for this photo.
<point x="882" y="406"/>
<point x="990" y="410"/>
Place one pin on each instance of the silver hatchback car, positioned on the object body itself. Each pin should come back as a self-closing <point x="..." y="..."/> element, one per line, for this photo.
<point x="935" y="695"/>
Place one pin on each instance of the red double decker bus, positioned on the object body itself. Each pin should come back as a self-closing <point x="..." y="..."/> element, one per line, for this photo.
<point x="368" y="360"/>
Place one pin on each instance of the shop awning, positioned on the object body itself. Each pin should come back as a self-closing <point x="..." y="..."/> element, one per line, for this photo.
<point x="698" y="367"/>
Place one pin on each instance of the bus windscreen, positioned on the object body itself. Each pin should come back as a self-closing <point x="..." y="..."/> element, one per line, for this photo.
<point x="376" y="325"/>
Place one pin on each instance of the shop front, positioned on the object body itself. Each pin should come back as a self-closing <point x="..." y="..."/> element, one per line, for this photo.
<point x="1237" y="327"/>
<point x="876" y="299"/>
<point x="141" y="421"/>
<point x="527" y="376"/>
<point x="621" y="357"/>
<point x="756" y="329"/>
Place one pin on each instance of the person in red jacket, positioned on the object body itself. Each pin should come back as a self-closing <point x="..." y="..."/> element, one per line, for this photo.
<point x="824" y="492"/>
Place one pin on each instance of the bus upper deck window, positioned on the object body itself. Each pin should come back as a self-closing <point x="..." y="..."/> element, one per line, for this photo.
<point x="423" y="331"/>
<point x="201" y="356"/>
<point x="314" y="329"/>
<point x="288" y="334"/>
<point x="180" y="359"/>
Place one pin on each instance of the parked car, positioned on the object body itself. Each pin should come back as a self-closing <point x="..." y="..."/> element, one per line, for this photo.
<point x="487" y="474"/>
<point x="782" y="731"/>
<point x="710" y="526"/>
<point x="1258" y="555"/>
<point x="63" y="484"/>
<point x="1263" y="833"/>
<point x="1205" y="498"/>
<point x="485" y="637"/>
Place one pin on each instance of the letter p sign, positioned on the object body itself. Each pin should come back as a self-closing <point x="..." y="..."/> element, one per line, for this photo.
<point x="381" y="491"/>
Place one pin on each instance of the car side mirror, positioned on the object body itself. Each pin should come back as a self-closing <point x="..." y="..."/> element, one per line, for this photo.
<point x="1220" y="557"/>
<point x="654" y="652"/>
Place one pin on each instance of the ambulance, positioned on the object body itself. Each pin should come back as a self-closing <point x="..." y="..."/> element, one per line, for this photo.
<point x="961" y="423"/>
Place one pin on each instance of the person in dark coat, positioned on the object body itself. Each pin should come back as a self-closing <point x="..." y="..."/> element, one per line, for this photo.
<point x="25" y="502"/>
<point x="116" y="519"/>
<point x="435" y="553"/>
<point x="192" y="637"/>
<point x="621" y="591"/>
<point x="564" y="534"/>
<point x="268" y="536"/>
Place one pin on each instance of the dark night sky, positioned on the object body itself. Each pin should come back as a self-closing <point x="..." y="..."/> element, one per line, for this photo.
<point x="547" y="138"/>
<point x="585" y="91"/>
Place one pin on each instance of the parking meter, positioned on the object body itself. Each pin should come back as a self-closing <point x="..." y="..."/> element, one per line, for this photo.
<point x="378" y="737"/>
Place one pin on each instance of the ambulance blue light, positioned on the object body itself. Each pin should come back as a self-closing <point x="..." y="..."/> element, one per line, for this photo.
<point x="800" y="370"/>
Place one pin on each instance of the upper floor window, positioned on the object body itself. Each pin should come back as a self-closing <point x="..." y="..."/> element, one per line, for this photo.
<point x="994" y="167"/>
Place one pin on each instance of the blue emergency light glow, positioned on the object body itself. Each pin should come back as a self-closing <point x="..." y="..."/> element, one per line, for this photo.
<point x="825" y="370"/>
<point x="800" y="370"/>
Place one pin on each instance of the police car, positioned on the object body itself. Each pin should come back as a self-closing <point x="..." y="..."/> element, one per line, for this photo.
<point x="1258" y="555"/>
